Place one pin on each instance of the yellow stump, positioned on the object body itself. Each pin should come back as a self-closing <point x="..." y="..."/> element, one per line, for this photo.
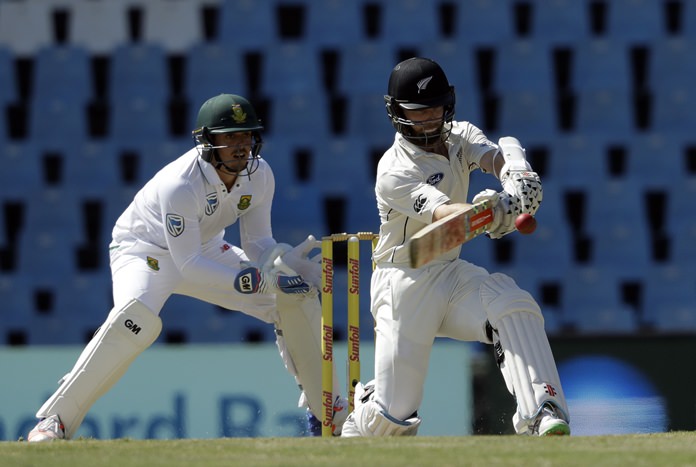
<point x="353" y="319"/>
<point x="327" y="270"/>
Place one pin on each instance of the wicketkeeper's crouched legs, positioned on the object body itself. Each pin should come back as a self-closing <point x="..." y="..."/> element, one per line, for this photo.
<point x="125" y="334"/>
<point x="523" y="352"/>
<point x="298" y="333"/>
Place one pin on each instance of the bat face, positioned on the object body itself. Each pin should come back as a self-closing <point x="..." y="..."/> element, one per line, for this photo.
<point x="449" y="232"/>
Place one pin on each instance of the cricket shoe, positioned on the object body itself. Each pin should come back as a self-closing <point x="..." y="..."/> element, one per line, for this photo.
<point x="549" y="423"/>
<point x="340" y="413"/>
<point x="48" y="429"/>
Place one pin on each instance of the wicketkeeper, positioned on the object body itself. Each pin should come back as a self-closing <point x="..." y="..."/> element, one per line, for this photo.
<point x="423" y="177"/>
<point x="170" y="241"/>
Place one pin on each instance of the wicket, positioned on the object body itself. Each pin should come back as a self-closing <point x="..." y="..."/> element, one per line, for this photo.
<point x="327" y="328"/>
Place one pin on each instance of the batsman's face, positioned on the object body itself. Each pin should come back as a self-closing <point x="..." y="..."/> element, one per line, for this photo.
<point x="234" y="149"/>
<point x="425" y="121"/>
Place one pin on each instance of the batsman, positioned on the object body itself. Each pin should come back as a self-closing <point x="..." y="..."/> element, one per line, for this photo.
<point x="170" y="240"/>
<point x="422" y="178"/>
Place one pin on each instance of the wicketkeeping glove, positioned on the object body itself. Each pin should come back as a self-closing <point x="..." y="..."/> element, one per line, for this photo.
<point x="251" y="280"/>
<point x="298" y="260"/>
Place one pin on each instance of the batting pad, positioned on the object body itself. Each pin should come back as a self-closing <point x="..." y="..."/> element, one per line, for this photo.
<point x="298" y="336"/>
<point x="126" y="333"/>
<point x="523" y="351"/>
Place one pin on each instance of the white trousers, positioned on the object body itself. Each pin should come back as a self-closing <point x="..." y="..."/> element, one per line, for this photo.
<point x="153" y="280"/>
<point x="411" y="307"/>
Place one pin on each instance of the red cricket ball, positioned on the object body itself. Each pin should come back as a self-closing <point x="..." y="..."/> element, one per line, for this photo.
<point x="525" y="223"/>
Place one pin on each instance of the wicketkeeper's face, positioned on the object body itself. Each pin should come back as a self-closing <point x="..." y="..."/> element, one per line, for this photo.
<point x="234" y="149"/>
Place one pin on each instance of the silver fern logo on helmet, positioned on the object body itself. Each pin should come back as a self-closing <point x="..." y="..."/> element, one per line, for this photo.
<point x="422" y="84"/>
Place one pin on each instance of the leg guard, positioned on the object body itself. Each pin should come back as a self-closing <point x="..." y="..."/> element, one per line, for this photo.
<point x="370" y="419"/>
<point x="124" y="335"/>
<point x="522" y="350"/>
<point x="298" y="336"/>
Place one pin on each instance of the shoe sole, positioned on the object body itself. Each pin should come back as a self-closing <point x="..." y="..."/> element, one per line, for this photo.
<point x="558" y="430"/>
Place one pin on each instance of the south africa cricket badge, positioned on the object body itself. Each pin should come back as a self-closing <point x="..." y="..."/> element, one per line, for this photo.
<point x="152" y="263"/>
<point x="244" y="202"/>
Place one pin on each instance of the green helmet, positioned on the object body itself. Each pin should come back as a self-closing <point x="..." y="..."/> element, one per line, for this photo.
<point x="227" y="113"/>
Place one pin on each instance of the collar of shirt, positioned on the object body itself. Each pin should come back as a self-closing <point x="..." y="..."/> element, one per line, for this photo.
<point x="210" y="173"/>
<point x="417" y="151"/>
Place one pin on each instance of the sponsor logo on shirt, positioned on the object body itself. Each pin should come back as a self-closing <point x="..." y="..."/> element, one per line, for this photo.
<point x="434" y="179"/>
<point x="175" y="224"/>
<point x="244" y="202"/>
<point x="420" y="203"/>
<point x="211" y="204"/>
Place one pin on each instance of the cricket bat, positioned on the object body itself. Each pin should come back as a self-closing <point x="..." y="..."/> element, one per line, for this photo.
<point x="449" y="232"/>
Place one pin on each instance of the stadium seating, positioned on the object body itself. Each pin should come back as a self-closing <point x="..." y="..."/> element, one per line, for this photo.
<point x="614" y="140"/>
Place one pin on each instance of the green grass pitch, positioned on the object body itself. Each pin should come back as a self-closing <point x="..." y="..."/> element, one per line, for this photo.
<point x="662" y="449"/>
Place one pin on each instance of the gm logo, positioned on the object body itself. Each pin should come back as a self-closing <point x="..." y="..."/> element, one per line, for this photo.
<point x="245" y="283"/>
<point x="135" y="329"/>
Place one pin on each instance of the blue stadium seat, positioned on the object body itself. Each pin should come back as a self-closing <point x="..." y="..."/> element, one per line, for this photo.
<point x="212" y="68"/>
<point x="368" y="120"/>
<point x="365" y="67"/>
<point x="138" y="120"/>
<point x="290" y="68"/>
<point x="62" y="88"/>
<point x="53" y="229"/>
<point x="99" y="26"/>
<point x="484" y="22"/>
<point x="299" y="117"/>
<point x="160" y="16"/>
<point x="688" y="19"/>
<point x="577" y="160"/>
<point x="524" y="65"/>
<point x="7" y="80"/>
<point x="601" y="65"/>
<point x="334" y="23"/>
<point x="337" y="157"/>
<point x="681" y="223"/>
<point x="247" y="24"/>
<point x="592" y="304"/>
<point x="91" y="168"/>
<point x="600" y="110"/>
<point x="16" y="303"/>
<point x="656" y="159"/>
<point x="635" y="21"/>
<point x="58" y="120"/>
<point x="618" y="226"/>
<point x="670" y="65"/>
<point x="342" y="165"/>
<point x="139" y="70"/>
<point x="409" y="22"/>
<point x="560" y="22"/>
<point x="673" y="109"/>
<point x="62" y="72"/>
<point x="549" y="249"/>
<point x="21" y="169"/>
<point x="528" y="113"/>
<point x="669" y="297"/>
<point x="25" y="27"/>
